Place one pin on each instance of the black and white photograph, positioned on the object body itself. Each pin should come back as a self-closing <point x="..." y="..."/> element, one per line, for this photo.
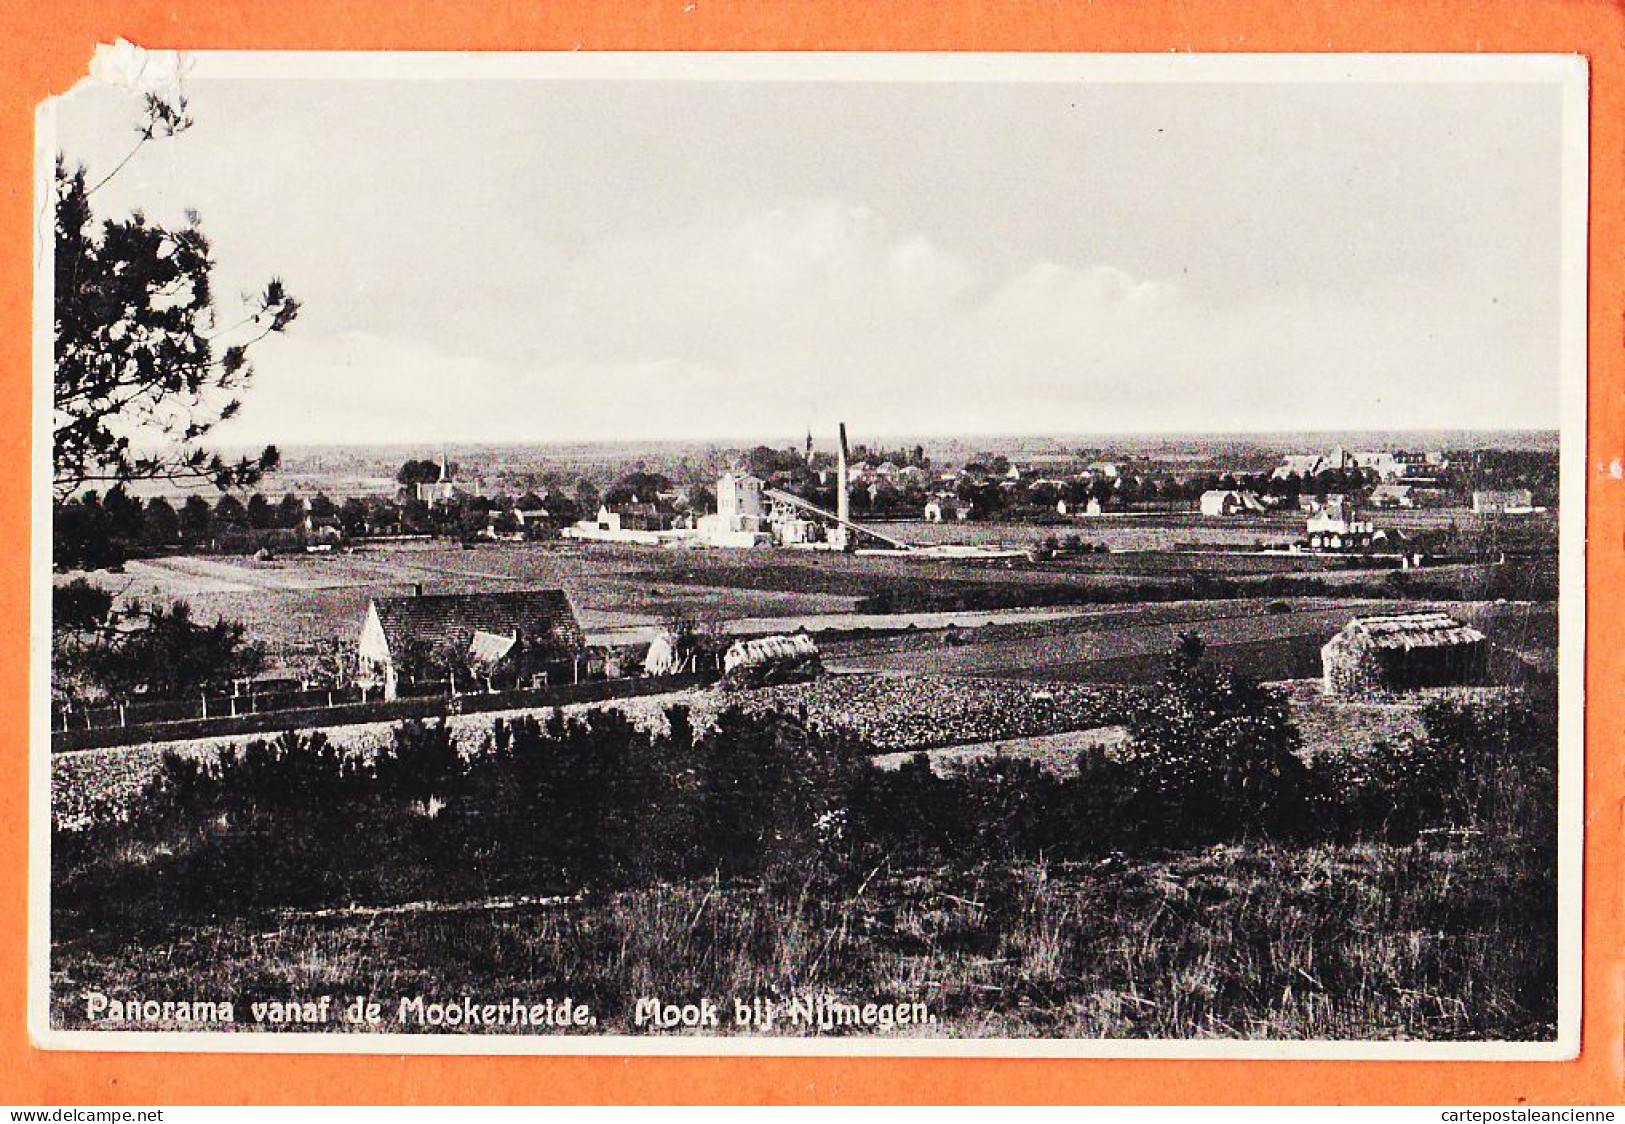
<point x="1053" y="555"/>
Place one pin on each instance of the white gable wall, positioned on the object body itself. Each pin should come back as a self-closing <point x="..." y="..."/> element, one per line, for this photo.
<point x="375" y="664"/>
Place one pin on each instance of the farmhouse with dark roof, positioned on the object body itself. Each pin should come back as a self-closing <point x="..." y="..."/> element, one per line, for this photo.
<point x="519" y="633"/>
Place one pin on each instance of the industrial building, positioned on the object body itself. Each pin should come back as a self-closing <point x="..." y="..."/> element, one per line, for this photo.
<point x="749" y="514"/>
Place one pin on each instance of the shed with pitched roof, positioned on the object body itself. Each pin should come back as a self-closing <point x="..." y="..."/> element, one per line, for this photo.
<point x="772" y="659"/>
<point x="1402" y="651"/>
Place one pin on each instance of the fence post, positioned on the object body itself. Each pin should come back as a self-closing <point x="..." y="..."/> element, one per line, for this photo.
<point x="121" y="721"/>
<point x="205" y="704"/>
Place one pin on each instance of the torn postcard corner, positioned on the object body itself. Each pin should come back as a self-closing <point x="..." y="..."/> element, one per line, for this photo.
<point x="124" y="65"/>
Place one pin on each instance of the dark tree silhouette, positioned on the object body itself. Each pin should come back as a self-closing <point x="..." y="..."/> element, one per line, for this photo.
<point x="415" y="472"/>
<point x="161" y="526"/>
<point x="197" y="518"/>
<point x="144" y="369"/>
<point x="154" y="650"/>
<point x="1212" y="753"/>
<point x="261" y="515"/>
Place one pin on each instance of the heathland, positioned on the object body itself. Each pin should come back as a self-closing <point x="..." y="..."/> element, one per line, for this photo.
<point x="1237" y="887"/>
<point x="985" y="804"/>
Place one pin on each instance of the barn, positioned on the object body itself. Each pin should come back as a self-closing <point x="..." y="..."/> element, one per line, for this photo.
<point x="1220" y="503"/>
<point x="1376" y="655"/>
<point x="513" y="634"/>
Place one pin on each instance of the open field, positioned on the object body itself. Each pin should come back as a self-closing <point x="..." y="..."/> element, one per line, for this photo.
<point x="1275" y="639"/>
<point x="295" y="603"/>
<point x="1165" y="532"/>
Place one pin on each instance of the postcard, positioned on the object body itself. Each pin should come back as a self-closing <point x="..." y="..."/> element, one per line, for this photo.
<point x="890" y="554"/>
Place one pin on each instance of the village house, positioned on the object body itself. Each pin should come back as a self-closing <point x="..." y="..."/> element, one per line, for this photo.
<point x="1384" y="466"/>
<point x="1336" y="526"/>
<point x="1392" y="495"/>
<point x="1504" y="501"/>
<point x="1222" y="502"/>
<point x="1302" y="465"/>
<point x="1404" y="651"/>
<point x="437" y="492"/>
<point x="518" y="524"/>
<point x="321" y="531"/>
<point x="1422" y="466"/>
<point x="442" y="491"/>
<point x="533" y="519"/>
<point x="640" y="516"/>
<point x="518" y="634"/>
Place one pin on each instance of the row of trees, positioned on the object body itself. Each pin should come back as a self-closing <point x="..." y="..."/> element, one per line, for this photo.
<point x="94" y="531"/>
<point x="1476" y="469"/>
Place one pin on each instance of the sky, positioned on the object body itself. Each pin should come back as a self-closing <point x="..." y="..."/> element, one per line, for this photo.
<point x="545" y="260"/>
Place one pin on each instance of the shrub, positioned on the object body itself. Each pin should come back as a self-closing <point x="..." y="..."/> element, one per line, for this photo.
<point x="1481" y="766"/>
<point x="420" y="763"/>
<point x="771" y="792"/>
<point x="596" y="803"/>
<point x="1212" y="755"/>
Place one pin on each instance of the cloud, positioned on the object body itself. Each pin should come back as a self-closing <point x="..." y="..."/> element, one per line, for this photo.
<point x="758" y="324"/>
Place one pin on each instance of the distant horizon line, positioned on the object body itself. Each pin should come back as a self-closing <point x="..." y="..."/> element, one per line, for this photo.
<point x="797" y="439"/>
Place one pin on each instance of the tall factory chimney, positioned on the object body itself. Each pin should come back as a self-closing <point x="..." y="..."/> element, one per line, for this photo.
<point x="841" y="508"/>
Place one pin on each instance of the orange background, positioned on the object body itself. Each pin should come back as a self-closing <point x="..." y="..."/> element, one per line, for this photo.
<point x="44" y="49"/>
